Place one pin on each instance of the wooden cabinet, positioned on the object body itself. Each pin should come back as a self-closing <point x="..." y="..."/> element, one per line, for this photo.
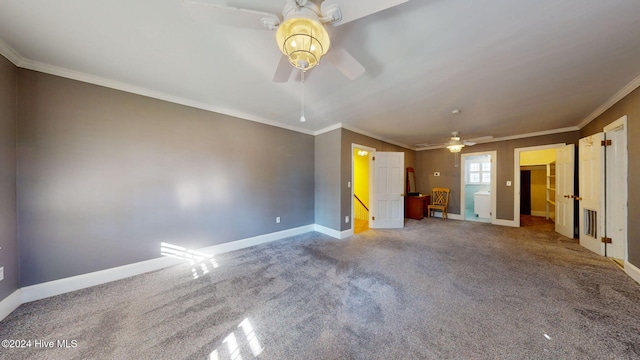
<point x="415" y="207"/>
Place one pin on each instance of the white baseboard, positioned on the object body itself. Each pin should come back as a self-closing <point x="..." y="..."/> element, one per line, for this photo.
<point x="502" y="222"/>
<point x="333" y="233"/>
<point x="449" y="216"/>
<point x="61" y="286"/>
<point x="10" y="303"/>
<point x="73" y="283"/>
<point x="346" y="233"/>
<point x="256" y="240"/>
<point x="632" y="271"/>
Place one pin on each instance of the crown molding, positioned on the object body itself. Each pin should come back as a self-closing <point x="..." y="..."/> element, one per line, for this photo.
<point x="21" y="62"/>
<point x="511" y="137"/>
<point x="11" y="55"/>
<point x="327" y="129"/>
<point x="14" y="57"/>
<point x="626" y="90"/>
<point x="374" y="136"/>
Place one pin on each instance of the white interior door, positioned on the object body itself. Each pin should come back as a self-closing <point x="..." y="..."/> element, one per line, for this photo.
<point x="616" y="190"/>
<point x="565" y="165"/>
<point x="388" y="178"/>
<point x="591" y="184"/>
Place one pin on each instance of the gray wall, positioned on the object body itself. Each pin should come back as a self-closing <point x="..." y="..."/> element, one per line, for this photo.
<point x="327" y="179"/>
<point x="629" y="106"/>
<point x="105" y="176"/>
<point x="442" y="160"/>
<point x="9" y="256"/>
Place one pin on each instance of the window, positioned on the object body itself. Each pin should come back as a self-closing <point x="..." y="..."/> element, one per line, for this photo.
<point x="479" y="172"/>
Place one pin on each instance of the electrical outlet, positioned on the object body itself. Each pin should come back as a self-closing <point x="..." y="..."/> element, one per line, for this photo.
<point x="277" y="219"/>
<point x="437" y="173"/>
<point x="1" y="273"/>
<point x="346" y="219"/>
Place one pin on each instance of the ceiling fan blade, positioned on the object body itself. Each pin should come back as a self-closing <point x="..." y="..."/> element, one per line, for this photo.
<point x="468" y="143"/>
<point x="343" y="61"/>
<point x="283" y="71"/>
<point x="351" y="10"/>
<point x="231" y="16"/>
<point x="480" y="139"/>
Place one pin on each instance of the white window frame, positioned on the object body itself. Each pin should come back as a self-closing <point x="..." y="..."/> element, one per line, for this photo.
<point x="482" y="172"/>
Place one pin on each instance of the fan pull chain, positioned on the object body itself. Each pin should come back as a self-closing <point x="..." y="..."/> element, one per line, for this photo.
<point x="302" y="119"/>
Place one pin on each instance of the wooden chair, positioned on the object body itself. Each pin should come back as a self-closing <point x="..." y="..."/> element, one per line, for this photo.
<point x="440" y="199"/>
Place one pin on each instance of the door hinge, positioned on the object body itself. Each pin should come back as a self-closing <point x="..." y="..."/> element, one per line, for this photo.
<point x="605" y="142"/>
<point x="373" y="218"/>
<point x="374" y="158"/>
<point x="606" y="240"/>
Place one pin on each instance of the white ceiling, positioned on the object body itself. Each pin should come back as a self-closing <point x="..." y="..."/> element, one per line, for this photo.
<point x="511" y="67"/>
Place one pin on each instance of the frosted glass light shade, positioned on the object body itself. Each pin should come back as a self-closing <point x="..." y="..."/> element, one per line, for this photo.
<point x="303" y="41"/>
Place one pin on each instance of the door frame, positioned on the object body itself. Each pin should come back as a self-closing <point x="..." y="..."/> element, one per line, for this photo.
<point x="516" y="179"/>
<point x="494" y="187"/>
<point x="372" y="153"/>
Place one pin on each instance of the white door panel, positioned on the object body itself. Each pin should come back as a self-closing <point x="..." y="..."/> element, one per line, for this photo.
<point x="591" y="182"/>
<point x="565" y="162"/>
<point x="388" y="209"/>
<point x="616" y="193"/>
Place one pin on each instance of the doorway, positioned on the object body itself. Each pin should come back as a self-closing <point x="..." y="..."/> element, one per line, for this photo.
<point x="361" y="175"/>
<point x="534" y="202"/>
<point x="478" y="190"/>
<point x="537" y="187"/>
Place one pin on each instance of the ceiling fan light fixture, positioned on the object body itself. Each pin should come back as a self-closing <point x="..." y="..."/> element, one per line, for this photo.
<point x="303" y="39"/>
<point x="455" y="148"/>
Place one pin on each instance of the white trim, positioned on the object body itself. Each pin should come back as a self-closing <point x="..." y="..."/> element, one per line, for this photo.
<point x="256" y="240"/>
<point x="61" y="286"/>
<point x="327" y="129"/>
<point x="377" y="137"/>
<point x="632" y="271"/>
<point x="516" y="176"/>
<point x="620" y="123"/>
<point x="19" y="61"/>
<point x="73" y="283"/>
<point x="333" y="233"/>
<point x="11" y="55"/>
<point x="450" y="216"/>
<point x="10" y="303"/>
<point x="626" y="90"/>
<point x="346" y="233"/>
<point x="511" y="137"/>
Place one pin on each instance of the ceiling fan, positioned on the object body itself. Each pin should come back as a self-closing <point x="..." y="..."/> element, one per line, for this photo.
<point x="455" y="144"/>
<point x="300" y="32"/>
